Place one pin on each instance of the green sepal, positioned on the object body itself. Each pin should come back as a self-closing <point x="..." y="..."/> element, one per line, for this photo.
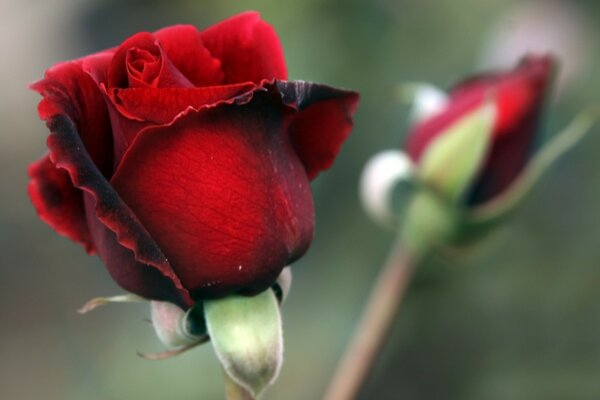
<point x="176" y="327"/>
<point x="430" y="222"/>
<point x="247" y="337"/>
<point x="452" y="161"/>
<point x="102" y="301"/>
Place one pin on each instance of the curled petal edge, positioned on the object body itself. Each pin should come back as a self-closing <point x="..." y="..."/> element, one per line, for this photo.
<point x="67" y="152"/>
<point x="316" y="153"/>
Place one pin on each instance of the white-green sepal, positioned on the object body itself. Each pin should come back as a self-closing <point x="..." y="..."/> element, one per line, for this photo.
<point x="426" y="99"/>
<point x="387" y="181"/>
<point x="174" y="326"/>
<point x="247" y="336"/>
<point x="283" y="284"/>
<point x="101" y="301"/>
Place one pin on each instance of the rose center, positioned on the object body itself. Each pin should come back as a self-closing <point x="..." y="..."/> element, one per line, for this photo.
<point x="143" y="67"/>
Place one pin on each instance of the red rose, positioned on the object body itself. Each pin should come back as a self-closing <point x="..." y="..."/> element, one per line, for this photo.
<point x="518" y="97"/>
<point x="183" y="158"/>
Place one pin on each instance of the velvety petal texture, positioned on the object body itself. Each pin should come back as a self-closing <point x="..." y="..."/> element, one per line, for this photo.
<point x="519" y="97"/>
<point x="183" y="158"/>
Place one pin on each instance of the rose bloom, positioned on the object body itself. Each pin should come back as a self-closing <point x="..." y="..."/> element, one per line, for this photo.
<point x="183" y="158"/>
<point x="518" y="95"/>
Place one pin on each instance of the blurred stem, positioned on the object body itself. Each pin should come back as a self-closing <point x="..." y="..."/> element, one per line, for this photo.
<point x="374" y="325"/>
<point x="234" y="391"/>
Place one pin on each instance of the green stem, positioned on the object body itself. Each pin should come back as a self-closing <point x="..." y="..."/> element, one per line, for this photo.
<point x="234" y="391"/>
<point x="370" y="334"/>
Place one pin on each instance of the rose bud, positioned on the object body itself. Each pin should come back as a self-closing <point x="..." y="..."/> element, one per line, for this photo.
<point x="514" y="102"/>
<point x="469" y="156"/>
<point x="183" y="158"/>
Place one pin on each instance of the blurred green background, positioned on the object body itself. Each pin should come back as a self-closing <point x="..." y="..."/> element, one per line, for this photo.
<point x="516" y="318"/>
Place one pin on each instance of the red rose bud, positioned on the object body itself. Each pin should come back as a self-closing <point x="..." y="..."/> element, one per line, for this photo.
<point x="517" y="97"/>
<point x="183" y="158"/>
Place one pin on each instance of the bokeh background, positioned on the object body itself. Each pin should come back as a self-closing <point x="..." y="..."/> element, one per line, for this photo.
<point x="515" y="318"/>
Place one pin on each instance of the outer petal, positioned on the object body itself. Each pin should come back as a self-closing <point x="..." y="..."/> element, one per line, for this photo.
<point x="323" y="123"/>
<point x="520" y="99"/>
<point x="317" y="131"/>
<point x="518" y="93"/>
<point x="67" y="90"/>
<point x="183" y="46"/>
<point x="132" y="110"/>
<point x="223" y="193"/>
<point x="248" y="48"/>
<point x="58" y="202"/>
<point x="151" y="274"/>
<point x="162" y="106"/>
<point x="130" y="269"/>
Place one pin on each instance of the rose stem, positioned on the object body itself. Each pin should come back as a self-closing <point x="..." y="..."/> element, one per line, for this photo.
<point x="234" y="391"/>
<point x="373" y="326"/>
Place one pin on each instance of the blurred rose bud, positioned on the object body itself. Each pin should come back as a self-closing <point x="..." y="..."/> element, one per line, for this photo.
<point x="469" y="156"/>
<point x="489" y="121"/>
<point x="467" y="145"/>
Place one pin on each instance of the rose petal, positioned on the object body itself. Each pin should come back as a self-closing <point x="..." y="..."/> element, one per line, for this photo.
<point x="520" y="100"/>
<point x="133" y="110"/>
<point x="66" y="89"/>
<point x="183" y="46"/>
<point x="143" y="68"/>
<point x="323" y="123"/>
<point x="58" y="202"/>
<point x="161" y="106"/>
<point x="505" y="162"/>
<point x="517" y="92"/>
<point x="223" y="193"/>
<point x="66" y="151"/>
<point x="248" y="48"/>
<point x="143" y="44"/>
<point x="96" y="66"/>
<point x="125" y="267"/>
